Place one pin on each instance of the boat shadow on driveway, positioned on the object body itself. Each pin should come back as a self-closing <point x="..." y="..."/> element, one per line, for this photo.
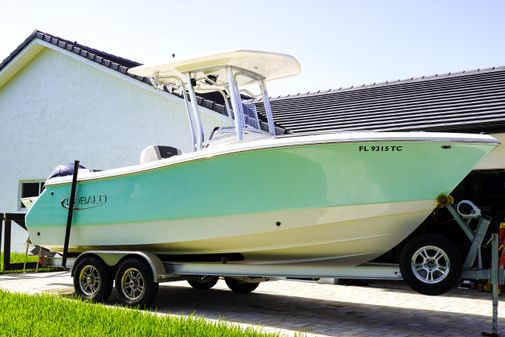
<point x="321" y="309"/>
<point x="318" y="316"/>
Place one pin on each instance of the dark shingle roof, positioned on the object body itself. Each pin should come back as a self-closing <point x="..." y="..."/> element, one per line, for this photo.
<point x="116" y="63"/>
<point x="471" y="101"/>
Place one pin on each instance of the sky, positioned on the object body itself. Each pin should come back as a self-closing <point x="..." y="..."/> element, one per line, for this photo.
<point x="338" y="43"/>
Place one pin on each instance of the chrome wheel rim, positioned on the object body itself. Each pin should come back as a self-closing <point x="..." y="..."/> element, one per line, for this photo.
<point x="90" y="280"/>
<point x="132" y="284"/>
<point x="430" y="264"/>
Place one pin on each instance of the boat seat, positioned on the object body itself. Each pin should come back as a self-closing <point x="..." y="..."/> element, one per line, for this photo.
<point x="65" y="170"/>
<point x="157" y="152"/>
<point x="250" y="115"/>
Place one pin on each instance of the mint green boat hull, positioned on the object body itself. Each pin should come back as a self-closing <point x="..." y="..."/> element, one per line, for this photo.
<point x="346" y="201"/>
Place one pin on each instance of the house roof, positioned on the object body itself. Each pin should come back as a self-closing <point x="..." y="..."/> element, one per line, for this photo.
<point x="467" y="101"/>
<point x="113" y="62"/>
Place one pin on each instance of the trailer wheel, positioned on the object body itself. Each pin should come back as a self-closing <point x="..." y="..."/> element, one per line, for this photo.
<point x="135" y="283"/>
<point x="431" y="264"/>
<point x="238" y="286"/>
<point x="203" y="282"/>
<point x="93" y="280"/>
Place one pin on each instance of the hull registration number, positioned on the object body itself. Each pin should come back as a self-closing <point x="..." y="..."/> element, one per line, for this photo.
<point x="380" y="148"/>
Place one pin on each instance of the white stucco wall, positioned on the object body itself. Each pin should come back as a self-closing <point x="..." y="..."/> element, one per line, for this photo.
<point x="58" y="109"/>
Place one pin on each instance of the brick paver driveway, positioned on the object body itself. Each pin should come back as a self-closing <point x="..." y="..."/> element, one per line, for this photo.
<point x="315" y="309"/>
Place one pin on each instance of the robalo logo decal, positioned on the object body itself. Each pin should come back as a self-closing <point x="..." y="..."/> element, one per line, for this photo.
<point x="85" y="202"/>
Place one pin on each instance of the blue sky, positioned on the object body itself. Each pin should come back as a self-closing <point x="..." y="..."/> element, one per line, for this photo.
<point x="338" y="43"/>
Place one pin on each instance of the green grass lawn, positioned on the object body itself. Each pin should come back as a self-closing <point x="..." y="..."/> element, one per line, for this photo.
<point x="16" y="258"/>
<point x="48" y="315"/>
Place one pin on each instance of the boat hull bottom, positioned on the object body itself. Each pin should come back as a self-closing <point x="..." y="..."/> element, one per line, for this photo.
<point x="346" y="235"/>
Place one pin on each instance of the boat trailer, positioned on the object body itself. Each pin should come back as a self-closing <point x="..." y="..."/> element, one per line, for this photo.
<point x="162" y="270"/>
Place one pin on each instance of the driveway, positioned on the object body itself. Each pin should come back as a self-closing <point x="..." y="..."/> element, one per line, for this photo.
<point x="382" y="309"/>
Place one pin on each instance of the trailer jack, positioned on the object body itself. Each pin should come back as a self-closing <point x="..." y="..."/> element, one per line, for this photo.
<point x="464" y="212"/>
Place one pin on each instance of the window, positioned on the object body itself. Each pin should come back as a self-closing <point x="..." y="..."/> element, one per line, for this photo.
<point x="30" y="189"/>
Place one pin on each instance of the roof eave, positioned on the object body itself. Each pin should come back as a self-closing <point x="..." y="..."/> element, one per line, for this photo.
<point x="20" y="60"/>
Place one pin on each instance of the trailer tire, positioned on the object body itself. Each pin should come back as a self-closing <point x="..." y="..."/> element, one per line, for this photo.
<point x="431" y="264"/>
<point x="203" y="282"/>
<point x="241" y="287"/>
<point x="135" y="284"/>
<point x="93" y="279"/>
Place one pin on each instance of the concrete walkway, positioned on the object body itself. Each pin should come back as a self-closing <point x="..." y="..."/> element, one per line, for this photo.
<point x="312" y="308"/>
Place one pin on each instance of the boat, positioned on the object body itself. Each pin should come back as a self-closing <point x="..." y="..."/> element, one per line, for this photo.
<point x="249" y="193"/>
